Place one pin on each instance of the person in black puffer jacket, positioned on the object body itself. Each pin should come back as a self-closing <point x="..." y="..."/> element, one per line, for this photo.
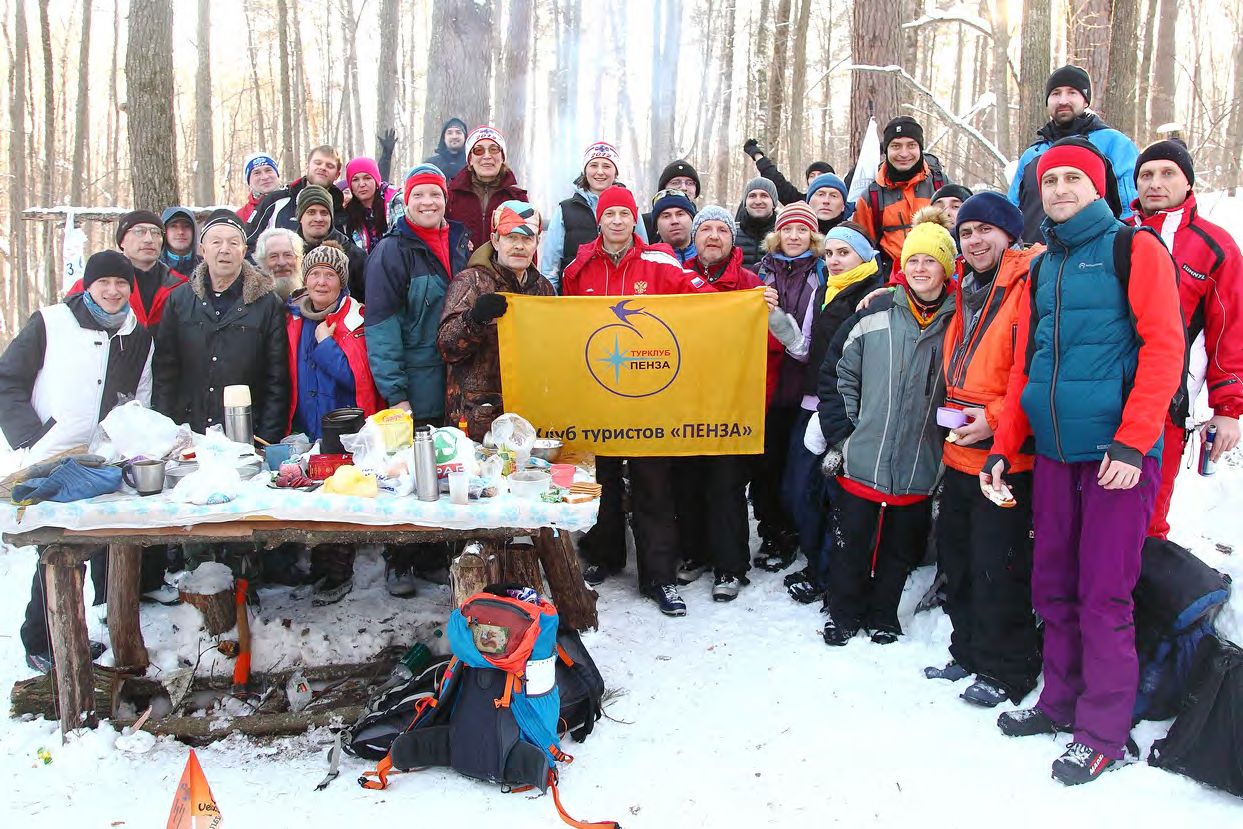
<point x="756" y="217"/>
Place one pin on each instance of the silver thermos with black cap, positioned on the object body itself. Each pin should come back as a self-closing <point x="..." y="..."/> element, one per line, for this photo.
<point x="426" y="484"/>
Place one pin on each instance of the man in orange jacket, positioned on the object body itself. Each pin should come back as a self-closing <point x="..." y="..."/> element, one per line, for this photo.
<point x="985" y="550"/>
<point x="905" y="182"/>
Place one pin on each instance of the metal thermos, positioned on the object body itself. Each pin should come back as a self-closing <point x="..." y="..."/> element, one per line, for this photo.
<point x="426" y="485"/>
<point x="1207" y="466"/>
<point x="237" y="424"/>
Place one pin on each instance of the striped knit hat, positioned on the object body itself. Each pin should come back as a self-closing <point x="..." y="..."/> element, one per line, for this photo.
<point x="797" y="213"/>
<point x="328" y="253"/>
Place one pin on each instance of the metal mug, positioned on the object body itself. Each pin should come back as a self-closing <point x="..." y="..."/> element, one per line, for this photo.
<point x="146" y="476"/>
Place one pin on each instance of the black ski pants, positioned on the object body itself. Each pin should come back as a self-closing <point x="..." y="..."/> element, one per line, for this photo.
<point x="768" y="473"/>
<point x="711" y="497"/>
<point x="653" y="518"/>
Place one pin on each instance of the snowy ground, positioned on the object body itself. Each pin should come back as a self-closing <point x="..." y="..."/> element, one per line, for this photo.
<point x="737" y="715"/>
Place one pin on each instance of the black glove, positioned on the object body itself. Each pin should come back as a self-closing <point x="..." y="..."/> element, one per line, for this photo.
<point x="991" y="461"/>
<point x="387" y="141"/>
<point x="488" y="307"/>
<point x="752" y="148"/>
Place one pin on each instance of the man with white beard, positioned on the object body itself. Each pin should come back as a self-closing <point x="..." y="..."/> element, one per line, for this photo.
<point x="279" y="252"/>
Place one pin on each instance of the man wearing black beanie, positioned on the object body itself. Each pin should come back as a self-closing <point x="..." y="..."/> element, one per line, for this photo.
<point x="1068" y="91"/>
<point x="1210" y="286"/>
<point x="905" y="182"/>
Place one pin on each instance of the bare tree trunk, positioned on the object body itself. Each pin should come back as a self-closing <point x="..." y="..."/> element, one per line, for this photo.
<point x="511" y="102"/>
<point x="799" y="131"/>
<point x="725" y="154"/>
<point x="17" y="162"/>
<point x="386" y="92"/>
<point x="459" y="72"/>
<point x="288" y="162"/>
<point x="351" y="78"/>
<point x="626" y="106"/>
<point x="666" y="36"/>
<point x="999" y="14"/>
<point x="114" y="109"/>
<point x="149" y="93"/>
<point x="1089" y="45"/>
<point x="1164" y="64"/>
<point x="774" y="122"/>
<point x="300" y="133"/>
<point x="1123" y="66"/>
<point x="1034" y="65"/>
<point x="1234" y="138"/>
<point x="81" y="132"/>
<point x="1142" y="123"/>
<point x="204" y="151"/>
<point x="260" y="115"/>
<point x="49" y="107"/>
<point x="875" y="42"/>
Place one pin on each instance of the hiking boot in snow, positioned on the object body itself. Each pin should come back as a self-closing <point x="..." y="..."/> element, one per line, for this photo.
<point x="801" y="575"/>
<point x="952" y="671"/>
<point x="726" y="587"/>
<point x="165" y="594"/>
<point x="1081" y="764"/>
<point x="884" y="637"/>
<point x="668" y="597"/>
<point x="596" y="574"/>
<point x="689" y="571"/>
<point x="329" y="590"/>
<point x="837" y="634"/>
<point x="399" y="583"/>
<point x="804" y="590"/>
<point x="780" y="554"/>
<point x="44" y="663"/>
<point x="985" y="693"/>
<point x="1028" y="722"/>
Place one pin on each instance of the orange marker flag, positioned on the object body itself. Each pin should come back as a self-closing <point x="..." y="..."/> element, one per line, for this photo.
<point x="194" y="806"/>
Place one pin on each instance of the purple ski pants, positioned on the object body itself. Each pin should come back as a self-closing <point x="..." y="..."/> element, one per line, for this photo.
<point x="1086" y="562"/>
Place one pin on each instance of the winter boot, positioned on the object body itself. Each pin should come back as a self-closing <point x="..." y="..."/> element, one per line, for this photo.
<point x="836" y="634"/>
<point x="884" y="637"/>
<point x="667" y="597"/>
<point x="984" y="693"/>
<point x="727" y="586"/>
<point x="952" y="671"/>
<point x="1083" y="764"/>
<point x="804" y="590"/>
<point x="330" y="591"/>
<point x="597" y="574"/>
<point x="689" y="571"/>
<point x="801" y="575"/>
<point x="1028" y="722"/>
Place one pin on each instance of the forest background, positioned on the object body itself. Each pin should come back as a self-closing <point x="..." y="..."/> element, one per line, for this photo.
<point x="122" y="103"/>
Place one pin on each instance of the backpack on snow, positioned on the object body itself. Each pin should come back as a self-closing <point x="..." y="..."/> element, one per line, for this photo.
<point x="389" y="712"/>
<point x="1176" y="599"/>
<point x="495" y="713"/>
<point x="1206" y="741"/>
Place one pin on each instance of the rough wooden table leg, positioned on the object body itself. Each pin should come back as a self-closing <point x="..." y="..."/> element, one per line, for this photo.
<point x="519" y="564"/>
<point x="124" y="578"/>
<point x="70" y="645"/>
<point x="575" y="601"/>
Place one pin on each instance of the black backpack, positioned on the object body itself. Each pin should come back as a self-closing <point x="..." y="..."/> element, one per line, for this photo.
<point x="389" y="712"/>
<point x="580" y="685"/>
<point x="1206" y="741"/>
<point x="1176" y="599"/>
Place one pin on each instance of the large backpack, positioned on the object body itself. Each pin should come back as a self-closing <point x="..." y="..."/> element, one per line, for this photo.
<point x="1176" y="599"/>
<point x="496" y="711"/>
<point x="1206" y="741"/>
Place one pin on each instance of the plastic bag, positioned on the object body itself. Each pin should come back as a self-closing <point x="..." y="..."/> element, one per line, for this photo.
<point x="216" y="481"/>
<point x="134" y="431"/>
<point x="455" y="452"/>
<point x="513" y="438"/>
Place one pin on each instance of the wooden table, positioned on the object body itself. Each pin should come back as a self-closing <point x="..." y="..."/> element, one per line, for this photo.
<point x="65" y="551"/>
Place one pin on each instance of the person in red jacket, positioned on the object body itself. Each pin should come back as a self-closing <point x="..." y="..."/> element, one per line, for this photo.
<point x="618" y="263"/>
<point x="711" y="490"/>
<point x="483" y="185"/>
<point x="1210" y="285"/>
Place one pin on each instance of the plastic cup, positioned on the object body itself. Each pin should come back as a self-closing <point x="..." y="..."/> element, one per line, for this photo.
<point x="562" y="474"/>
<point x="459" y="488"/>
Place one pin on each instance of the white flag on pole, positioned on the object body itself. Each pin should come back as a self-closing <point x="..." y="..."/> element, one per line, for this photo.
<point x="868" y="163"/>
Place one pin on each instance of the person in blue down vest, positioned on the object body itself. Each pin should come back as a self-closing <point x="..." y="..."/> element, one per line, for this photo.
<point x="1067" y="95"/>
<point x="1103" y="358"/>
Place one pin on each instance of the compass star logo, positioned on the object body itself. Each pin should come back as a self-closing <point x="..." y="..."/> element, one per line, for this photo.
<point x="637" y="355"/>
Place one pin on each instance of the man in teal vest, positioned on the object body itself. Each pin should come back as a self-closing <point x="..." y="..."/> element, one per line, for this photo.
<point x="1103" y="357"/>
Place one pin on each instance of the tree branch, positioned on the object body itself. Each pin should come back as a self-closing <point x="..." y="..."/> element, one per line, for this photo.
<point x="927" y="95"/>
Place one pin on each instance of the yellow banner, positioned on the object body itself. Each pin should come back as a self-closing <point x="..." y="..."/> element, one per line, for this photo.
<point x="639" y="375"/>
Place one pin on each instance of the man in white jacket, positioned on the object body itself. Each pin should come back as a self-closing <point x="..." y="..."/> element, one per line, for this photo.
<point x="62" y="374"/>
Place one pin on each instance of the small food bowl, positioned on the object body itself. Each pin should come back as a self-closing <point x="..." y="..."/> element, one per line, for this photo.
<point x="548" y="449"/>
<point x="951" y="418"/>
<point x="529" y="485"/>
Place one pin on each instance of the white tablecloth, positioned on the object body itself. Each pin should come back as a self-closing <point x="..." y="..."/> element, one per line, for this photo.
<point x="119" y="511"/>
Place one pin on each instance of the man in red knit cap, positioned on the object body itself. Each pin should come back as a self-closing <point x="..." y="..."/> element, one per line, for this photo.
<point x="1102" y="360"/>
<point x="618" y="263"/>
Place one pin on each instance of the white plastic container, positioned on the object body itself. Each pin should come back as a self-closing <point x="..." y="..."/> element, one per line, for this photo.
<point x="529" y="484"/>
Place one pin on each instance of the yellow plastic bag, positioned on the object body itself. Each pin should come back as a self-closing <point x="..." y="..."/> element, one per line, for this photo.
<point x="397" y="428"/>
<point x="349" y="480"/>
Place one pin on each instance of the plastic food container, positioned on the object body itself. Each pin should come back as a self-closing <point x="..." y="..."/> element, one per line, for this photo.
<point x="951" y="418"/>
<point x="547" y="448"/>
<point x="529" y="484"/>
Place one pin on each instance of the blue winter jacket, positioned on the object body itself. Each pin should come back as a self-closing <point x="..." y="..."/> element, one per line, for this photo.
<point x="1083" y="349"/>
<point x="406" y="286"/>
<point x="325" y="381"/>
<point x="1120" y="150"/>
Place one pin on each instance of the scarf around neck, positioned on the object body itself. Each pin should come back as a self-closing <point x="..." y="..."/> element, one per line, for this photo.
<point x="836" y="284"/>
<point x="110" y="322"/>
